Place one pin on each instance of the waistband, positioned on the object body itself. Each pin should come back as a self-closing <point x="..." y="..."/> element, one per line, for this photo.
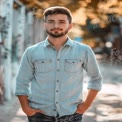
<point x="67" y="118"/>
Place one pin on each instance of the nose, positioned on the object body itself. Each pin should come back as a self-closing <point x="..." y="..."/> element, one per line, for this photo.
<point x="56" y="25"/>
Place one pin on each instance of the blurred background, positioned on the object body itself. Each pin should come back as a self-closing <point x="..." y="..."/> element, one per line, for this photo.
<point x="97" y="23"/>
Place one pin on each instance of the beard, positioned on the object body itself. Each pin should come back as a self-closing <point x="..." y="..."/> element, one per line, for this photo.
<point x="57" y="34"/>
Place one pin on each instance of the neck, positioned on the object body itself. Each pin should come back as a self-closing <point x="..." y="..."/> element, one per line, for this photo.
<point x="57" y="42"/>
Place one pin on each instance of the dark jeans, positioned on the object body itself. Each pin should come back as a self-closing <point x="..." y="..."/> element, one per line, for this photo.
<point x="39" y="117"/>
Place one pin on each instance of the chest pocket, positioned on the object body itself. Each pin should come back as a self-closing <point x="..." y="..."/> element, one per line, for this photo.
<point x="43" y="65"/>
<point x="72" y="65"/>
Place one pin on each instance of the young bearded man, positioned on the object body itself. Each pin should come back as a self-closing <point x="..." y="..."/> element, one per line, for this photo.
<point x="49" y="82"/>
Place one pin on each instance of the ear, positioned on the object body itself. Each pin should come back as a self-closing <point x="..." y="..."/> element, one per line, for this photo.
<point x="70" y="26"/>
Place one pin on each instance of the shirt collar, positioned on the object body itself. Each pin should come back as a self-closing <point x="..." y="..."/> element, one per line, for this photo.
<point x="68" y="43"/>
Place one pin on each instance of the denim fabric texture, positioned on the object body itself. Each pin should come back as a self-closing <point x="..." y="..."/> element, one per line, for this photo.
<point x="38" y="117"/>
<point x="53" y="80"/>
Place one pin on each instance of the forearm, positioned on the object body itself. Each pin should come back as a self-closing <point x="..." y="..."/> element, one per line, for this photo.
<point x="87" y="102"/>
<point x="24" y="102"/>
<point x="90" y="96"/>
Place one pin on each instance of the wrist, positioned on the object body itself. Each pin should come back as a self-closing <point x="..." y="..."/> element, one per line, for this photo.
<point x="81" y="108"/>
<point x="26" y="109"/>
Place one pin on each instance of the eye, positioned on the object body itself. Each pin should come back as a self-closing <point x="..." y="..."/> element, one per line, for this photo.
<point x="62" y="22"/>
<point x="50" y="22"/>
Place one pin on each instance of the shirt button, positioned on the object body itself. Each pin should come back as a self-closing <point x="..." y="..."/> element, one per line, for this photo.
<point x="56" y="102"/>
<point x="56" y="90"/>
<point x="57" y="80"/>
<point x="54" y="109"/>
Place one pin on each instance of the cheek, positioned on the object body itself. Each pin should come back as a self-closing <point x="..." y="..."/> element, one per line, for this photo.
<point x="67" y="27"/>
<point x="47" y="27"/>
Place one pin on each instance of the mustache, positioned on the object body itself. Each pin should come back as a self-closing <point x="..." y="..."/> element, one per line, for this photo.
<point x="56" y="29"/>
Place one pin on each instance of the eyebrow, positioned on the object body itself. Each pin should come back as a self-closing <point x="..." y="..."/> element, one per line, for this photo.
<point x="58" y="20"/>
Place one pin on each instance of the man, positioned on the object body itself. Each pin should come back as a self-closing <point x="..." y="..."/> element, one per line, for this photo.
<point x="50" y="77"/>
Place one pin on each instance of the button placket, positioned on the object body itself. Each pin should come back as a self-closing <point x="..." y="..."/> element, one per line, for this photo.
<point x="57" y="93"/>
<point x="57" y="80"/>
<point x="58" y="65"/>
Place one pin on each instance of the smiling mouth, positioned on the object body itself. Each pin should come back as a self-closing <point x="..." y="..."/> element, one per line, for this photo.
<point x="56" y="29"/>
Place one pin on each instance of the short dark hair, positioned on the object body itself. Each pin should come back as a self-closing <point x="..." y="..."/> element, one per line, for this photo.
<point x="58" y="10"/>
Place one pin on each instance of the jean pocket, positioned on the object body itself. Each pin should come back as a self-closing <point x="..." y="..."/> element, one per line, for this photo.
<point x="35" y="118"/>
<point x="79" y="114"/>
<point x="33" y="115"/>
<point x="77" y="117"/>
<point x="39" y="117"/>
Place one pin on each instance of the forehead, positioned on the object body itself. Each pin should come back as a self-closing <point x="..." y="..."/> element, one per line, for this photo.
<point x="57" y="17"/>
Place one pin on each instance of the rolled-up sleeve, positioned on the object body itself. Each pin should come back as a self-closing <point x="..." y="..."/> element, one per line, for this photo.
<point x="24" y="75"/>
<point x="93" y="71"/>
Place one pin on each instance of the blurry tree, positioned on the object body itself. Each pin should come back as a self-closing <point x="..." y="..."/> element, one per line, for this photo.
<point x="94" y="17"/>
<point x="96" y="10"/>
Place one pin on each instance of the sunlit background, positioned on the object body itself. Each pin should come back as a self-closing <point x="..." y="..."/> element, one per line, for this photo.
<point x="97" y="23"/>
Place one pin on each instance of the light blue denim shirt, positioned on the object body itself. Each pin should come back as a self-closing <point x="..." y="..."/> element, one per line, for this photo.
<point x="54" y="80"/>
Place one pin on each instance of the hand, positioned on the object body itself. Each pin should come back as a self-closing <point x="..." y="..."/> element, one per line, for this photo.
<point x="81" y="108"/>
<point x="30" y="111"/>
